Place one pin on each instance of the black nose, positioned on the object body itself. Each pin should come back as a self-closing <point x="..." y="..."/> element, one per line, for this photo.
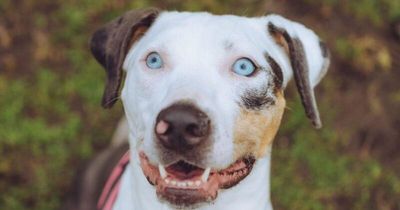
<point x="182" y="127"/>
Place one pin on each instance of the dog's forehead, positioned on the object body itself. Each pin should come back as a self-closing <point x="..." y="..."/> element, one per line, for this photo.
<point x="203" y="28"/>
<point x="196" y="19"/>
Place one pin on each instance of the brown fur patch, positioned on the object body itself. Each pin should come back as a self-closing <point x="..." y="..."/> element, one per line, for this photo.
<point x="279" y="39"/>
<point x="137" y="34"/>
<point x="255" y="130"/>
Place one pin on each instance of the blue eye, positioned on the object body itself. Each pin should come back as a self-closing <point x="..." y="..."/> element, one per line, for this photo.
<point x="154" y="61"/>
<point x="244" y="67"/>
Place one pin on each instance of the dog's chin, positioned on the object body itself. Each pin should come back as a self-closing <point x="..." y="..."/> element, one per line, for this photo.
<point x="183" y="184"/>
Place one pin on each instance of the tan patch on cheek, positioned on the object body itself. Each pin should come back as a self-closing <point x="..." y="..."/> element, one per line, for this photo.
<point x="254" y="131"/>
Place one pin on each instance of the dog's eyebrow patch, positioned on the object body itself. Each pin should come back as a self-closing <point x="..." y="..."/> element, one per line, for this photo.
<point x="228" y="45"/>
<point x="277" y="70"/>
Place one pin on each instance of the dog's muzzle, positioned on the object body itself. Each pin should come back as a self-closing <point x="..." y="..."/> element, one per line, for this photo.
<point x="183" y="130"/>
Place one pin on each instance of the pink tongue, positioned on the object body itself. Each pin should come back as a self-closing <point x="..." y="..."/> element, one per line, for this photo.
<point x="184" y="171"/>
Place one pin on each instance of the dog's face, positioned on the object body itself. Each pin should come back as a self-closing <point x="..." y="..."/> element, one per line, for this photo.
<point x="203" y="94"/>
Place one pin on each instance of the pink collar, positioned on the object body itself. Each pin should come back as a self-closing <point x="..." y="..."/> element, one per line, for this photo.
<point x="112" y="186"/>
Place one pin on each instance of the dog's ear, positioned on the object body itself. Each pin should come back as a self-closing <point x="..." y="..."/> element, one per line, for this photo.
<point x="110" y="44"/>
<point x="308" y="57"/>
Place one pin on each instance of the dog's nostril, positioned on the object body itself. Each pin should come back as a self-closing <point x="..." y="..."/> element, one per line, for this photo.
<point x="193" y="130"/>
<point x="197" y="129"/>
<point x="162" y="127"/>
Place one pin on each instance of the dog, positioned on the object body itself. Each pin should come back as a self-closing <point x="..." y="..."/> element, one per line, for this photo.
<point x="203" y="95"/>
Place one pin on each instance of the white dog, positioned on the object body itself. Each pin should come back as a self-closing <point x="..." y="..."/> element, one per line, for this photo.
<point x="203" y="96"/>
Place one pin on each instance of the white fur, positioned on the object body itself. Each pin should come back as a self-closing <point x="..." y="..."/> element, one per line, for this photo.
<point x="197" y="66"/>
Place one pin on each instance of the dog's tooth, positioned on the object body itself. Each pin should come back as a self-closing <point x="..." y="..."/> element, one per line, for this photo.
<point x="167" y="181"/>
<point x="190" y="183"/>
<point x="163" y="172"/>
<point x="181" y="184"/>
<point x="197" y="183"/>
<point x="173" y="182"/>
<point x="205" y="175"/>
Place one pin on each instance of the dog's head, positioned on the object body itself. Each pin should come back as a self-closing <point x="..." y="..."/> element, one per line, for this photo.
<point x="203" y="94"/>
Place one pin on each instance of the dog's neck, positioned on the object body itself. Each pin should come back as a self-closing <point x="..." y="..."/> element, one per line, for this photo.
<point x="251" y="194"/>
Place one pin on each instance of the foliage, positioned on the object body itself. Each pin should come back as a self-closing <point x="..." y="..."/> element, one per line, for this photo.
<point x="376" y="11"/>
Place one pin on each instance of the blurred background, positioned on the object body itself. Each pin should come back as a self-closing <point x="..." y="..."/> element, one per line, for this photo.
<point x="51" y="121"/>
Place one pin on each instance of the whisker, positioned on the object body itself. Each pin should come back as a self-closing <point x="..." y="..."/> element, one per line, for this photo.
<point x="112" y="100"/>
<point x="288" y="108"/>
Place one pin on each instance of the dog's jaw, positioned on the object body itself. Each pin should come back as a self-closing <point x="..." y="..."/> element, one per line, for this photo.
<point x="253" y="192"/>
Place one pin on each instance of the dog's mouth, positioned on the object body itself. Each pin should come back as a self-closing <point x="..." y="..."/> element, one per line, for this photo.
<point x="183" y="183"/>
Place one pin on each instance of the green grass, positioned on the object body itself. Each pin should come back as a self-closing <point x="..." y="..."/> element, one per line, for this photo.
<point x="375" y="11"/>
<point x="51" y="120"/>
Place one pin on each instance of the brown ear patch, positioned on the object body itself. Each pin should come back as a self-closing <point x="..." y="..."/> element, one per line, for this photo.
<point x="110" y="44"/>
<point x="139" y="32"/>
<point x="278" y="36"/>
<point x="254" y="131"/>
